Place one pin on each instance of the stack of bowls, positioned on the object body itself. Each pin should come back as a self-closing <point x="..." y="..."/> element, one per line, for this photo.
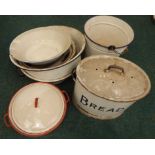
<point x="107" y="35"/>
<point x="48" y="54"/>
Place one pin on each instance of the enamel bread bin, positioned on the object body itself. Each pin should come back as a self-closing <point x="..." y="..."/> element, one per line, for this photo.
<point x="106" y="86"/>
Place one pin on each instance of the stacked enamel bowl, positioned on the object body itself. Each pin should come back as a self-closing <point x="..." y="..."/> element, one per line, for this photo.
<point x="47" y="54"/>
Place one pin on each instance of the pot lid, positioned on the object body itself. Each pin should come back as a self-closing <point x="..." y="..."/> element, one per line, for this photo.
<point x="37" y="108"/>
<point x="113" y="78"/>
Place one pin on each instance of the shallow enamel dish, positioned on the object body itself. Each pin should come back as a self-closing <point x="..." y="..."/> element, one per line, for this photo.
<point x="41" y="78"/>
<point x="107" y="85"/>
<point x="63" y="71"/>
<point x="63" y="59"/>
<point x="37" y="109"/>
<point x="39" y="46"/>
<point x="107" y="35"/>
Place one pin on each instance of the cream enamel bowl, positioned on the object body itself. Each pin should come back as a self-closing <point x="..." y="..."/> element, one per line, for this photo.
<point x="107" y="85"/>
<point x="61" y="72"/>
<point x="37" y="109"/>
<point x="107" y="35"/>
<point x="40" y="46"/>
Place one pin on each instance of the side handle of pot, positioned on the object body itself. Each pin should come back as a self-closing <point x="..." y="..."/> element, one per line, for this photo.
<point x="125" y="51"/>
<point x="113" y="48"/>
<point x="19" y="72"/>
<point x="74" y="74"/>
<point x="66" y="96"/>
<point x="7" y="121"/>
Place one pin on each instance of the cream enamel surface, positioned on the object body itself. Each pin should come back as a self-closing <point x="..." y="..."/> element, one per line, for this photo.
<point x="39" y="45"/>
<point x="49" y="112"/>
<point x="94" y="49"/>
<point x="91" y="111"/>
<point x="131" y="85"/>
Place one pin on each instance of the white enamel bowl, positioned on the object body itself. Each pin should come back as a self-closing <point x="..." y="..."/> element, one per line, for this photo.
<point x="40" y="46"/>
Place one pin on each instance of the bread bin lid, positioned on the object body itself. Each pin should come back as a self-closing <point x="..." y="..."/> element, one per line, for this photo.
<point x="113" y="78"/>
<point x="37" y="108"/>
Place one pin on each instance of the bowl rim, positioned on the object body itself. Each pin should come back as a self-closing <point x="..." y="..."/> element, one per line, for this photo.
<point x="25" y="72"/>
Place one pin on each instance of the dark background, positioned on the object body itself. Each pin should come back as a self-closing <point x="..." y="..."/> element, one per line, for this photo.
<point x="137" y="122"/>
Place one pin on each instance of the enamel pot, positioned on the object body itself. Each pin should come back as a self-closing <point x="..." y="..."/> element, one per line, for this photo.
<point x="37" y="109"/>
<point x="106" y="86"/>
<point x="107" y="35"/>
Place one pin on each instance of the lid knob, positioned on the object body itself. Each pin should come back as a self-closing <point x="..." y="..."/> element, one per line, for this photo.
<point x="115" y="68"/>
<point x="36" y="102"/>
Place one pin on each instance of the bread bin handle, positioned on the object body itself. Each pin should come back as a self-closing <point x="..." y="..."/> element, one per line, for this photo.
<point x="74" y="74"/>
<point x="115" y="68"/>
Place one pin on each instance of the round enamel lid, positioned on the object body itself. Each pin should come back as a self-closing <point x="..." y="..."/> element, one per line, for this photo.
<point x="37" y="108"/>
<point x="113" y="78"/>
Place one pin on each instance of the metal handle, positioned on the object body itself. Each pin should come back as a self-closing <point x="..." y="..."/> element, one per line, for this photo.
<point x="113" y="48"/>
<point x="125" y="51"/>
<point x="116" y="68"/>
<point x="7" y="121"/>
<point x="66" y="96"/>
<point x="19" y="72"/>
<point x="74" y="74"/>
